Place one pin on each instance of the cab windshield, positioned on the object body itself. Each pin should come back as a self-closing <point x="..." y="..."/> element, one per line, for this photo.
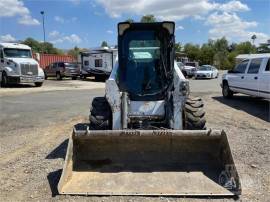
<point x="142" y="60"/>
<point x="17" y="53"/>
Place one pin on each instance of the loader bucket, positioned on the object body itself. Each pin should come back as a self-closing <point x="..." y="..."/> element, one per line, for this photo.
<point x="149" y="162"/>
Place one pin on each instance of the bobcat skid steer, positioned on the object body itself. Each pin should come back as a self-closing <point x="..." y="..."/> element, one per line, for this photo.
<point x="146" y="135"/>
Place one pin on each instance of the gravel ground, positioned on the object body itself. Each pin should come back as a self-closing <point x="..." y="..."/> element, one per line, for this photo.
<point x="35" y="128"/>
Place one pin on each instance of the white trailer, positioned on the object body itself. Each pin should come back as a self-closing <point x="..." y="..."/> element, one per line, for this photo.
<point x="97" y="62"/>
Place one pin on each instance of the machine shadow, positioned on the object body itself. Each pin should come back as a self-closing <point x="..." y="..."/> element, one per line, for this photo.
<point x="53" y="179"/>
<point x="254" y="106"/>
<point x="59" y="151"/>
<point x="20" y="86"/>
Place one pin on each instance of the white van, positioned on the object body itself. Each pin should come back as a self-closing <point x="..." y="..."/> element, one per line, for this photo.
<point x="251" y="77"/>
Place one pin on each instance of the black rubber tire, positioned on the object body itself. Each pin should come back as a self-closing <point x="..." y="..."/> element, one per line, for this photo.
<point x="45" y="76"/>
<point x="194" y="114"/>
<point x="100" y="114"/>
<point x="99" y="78"/>
<point x="74" y="77"/>
<point x="58" y="76"/>
<point x="38" y="84"/>
<point x="226" y="92"/>
<point x="4" y="81"/>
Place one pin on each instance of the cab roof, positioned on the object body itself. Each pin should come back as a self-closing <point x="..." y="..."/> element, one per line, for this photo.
<point x="14" y="45"/>
<point x="251" y="56"/>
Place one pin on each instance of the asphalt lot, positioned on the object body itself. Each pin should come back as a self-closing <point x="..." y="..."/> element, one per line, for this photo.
<point x="35" y="124"/>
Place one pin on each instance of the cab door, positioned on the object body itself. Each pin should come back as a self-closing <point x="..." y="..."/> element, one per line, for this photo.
<point x="252" y="77"/>
<point x="264" y="80"/>
<point x="237" y="76"/>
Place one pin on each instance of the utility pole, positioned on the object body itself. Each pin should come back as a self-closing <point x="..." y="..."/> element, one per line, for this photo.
<point x="44" y="40"/>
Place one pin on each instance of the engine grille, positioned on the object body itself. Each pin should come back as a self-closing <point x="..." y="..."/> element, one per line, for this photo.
<point x="26" y="69"/>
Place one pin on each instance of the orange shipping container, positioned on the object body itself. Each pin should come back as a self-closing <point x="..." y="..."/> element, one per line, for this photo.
<point x="46" y="59"/>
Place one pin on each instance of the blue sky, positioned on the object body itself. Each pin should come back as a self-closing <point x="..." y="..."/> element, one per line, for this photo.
<point x="86" y="23"/>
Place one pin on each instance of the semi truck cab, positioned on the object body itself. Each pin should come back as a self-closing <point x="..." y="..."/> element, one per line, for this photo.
<point x="18" y="66"/>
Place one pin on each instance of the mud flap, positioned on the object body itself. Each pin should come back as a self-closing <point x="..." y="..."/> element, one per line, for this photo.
<point x="149" y="162"/>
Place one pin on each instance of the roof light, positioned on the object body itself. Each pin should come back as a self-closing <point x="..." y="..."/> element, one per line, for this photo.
<point x="122" y="27"/>
<point x="169" y="26"/>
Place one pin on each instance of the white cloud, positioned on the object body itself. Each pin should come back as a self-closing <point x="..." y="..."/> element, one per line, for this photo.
<point x="57" y="37"/>
<point x="7" y="38"/>
<point x="179" y="27"/>
<point x="63" y="20"/>
<point x="12" y="8"/>
<point x="169" y="9"/>
<point x="59" y="19"/>
<point x="54" y="34"/>
<point x="76" y="2"/>
<point x="28" y="20"/>
<point x="232" y="27"/>
<point x="73" y="38"/>
<point x="109" y="31"/>
<point x="233" y="6"/>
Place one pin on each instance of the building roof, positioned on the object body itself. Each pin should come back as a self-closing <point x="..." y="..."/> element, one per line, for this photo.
<point x="14" y="45"/>
<point x="99" y="50"/>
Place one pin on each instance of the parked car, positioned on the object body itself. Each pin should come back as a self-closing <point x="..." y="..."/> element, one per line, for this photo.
<point x="193" y="64"/>
<point x="62" y="69"/>
<point x="190" y="69"/>
<point x="251" y="77"/>
<point x="18" y="66"/>
<point x="180" y="65"/>
<point x="207" y="72"/>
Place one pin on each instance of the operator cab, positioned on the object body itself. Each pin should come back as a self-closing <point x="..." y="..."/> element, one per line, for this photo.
<point x="146" y="59"/>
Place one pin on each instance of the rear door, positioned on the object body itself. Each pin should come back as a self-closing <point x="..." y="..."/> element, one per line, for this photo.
<point x="236" y="79"/>
<point x="53" y="69"/>
<point x="264" y="79"/>
<point x="251" y="84"/>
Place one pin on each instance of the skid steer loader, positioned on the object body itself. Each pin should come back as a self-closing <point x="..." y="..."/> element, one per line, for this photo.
<point x="146" y="135"/>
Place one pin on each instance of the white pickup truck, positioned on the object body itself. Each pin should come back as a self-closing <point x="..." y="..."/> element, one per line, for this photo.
<point x="251" y="77"/>
<point x="17" y="65"/>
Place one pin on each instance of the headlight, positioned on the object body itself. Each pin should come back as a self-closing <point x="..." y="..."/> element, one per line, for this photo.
<point x="184" y="88"/>
<point x="10" y="69"/>
<point x="11" y="63"/>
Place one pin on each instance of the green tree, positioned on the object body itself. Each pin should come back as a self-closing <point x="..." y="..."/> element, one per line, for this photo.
<point x="245" y="48"/>
<point x="49" y="48"/>
<point x="40" y="47"/>
<point x="221" y="53"/>
<point x="178" y="47"/>
<point x="253" y="37"/>
<point x="148" y="18"/>
<point x="74" y="52"/>
<point x="104" y="44"/>
<point x="192" y="51"/>
<point x="231" y="58"/>
<point x="34" y="44"/>
<point x="130" y="20"/>
<point x="207" y="54"/>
